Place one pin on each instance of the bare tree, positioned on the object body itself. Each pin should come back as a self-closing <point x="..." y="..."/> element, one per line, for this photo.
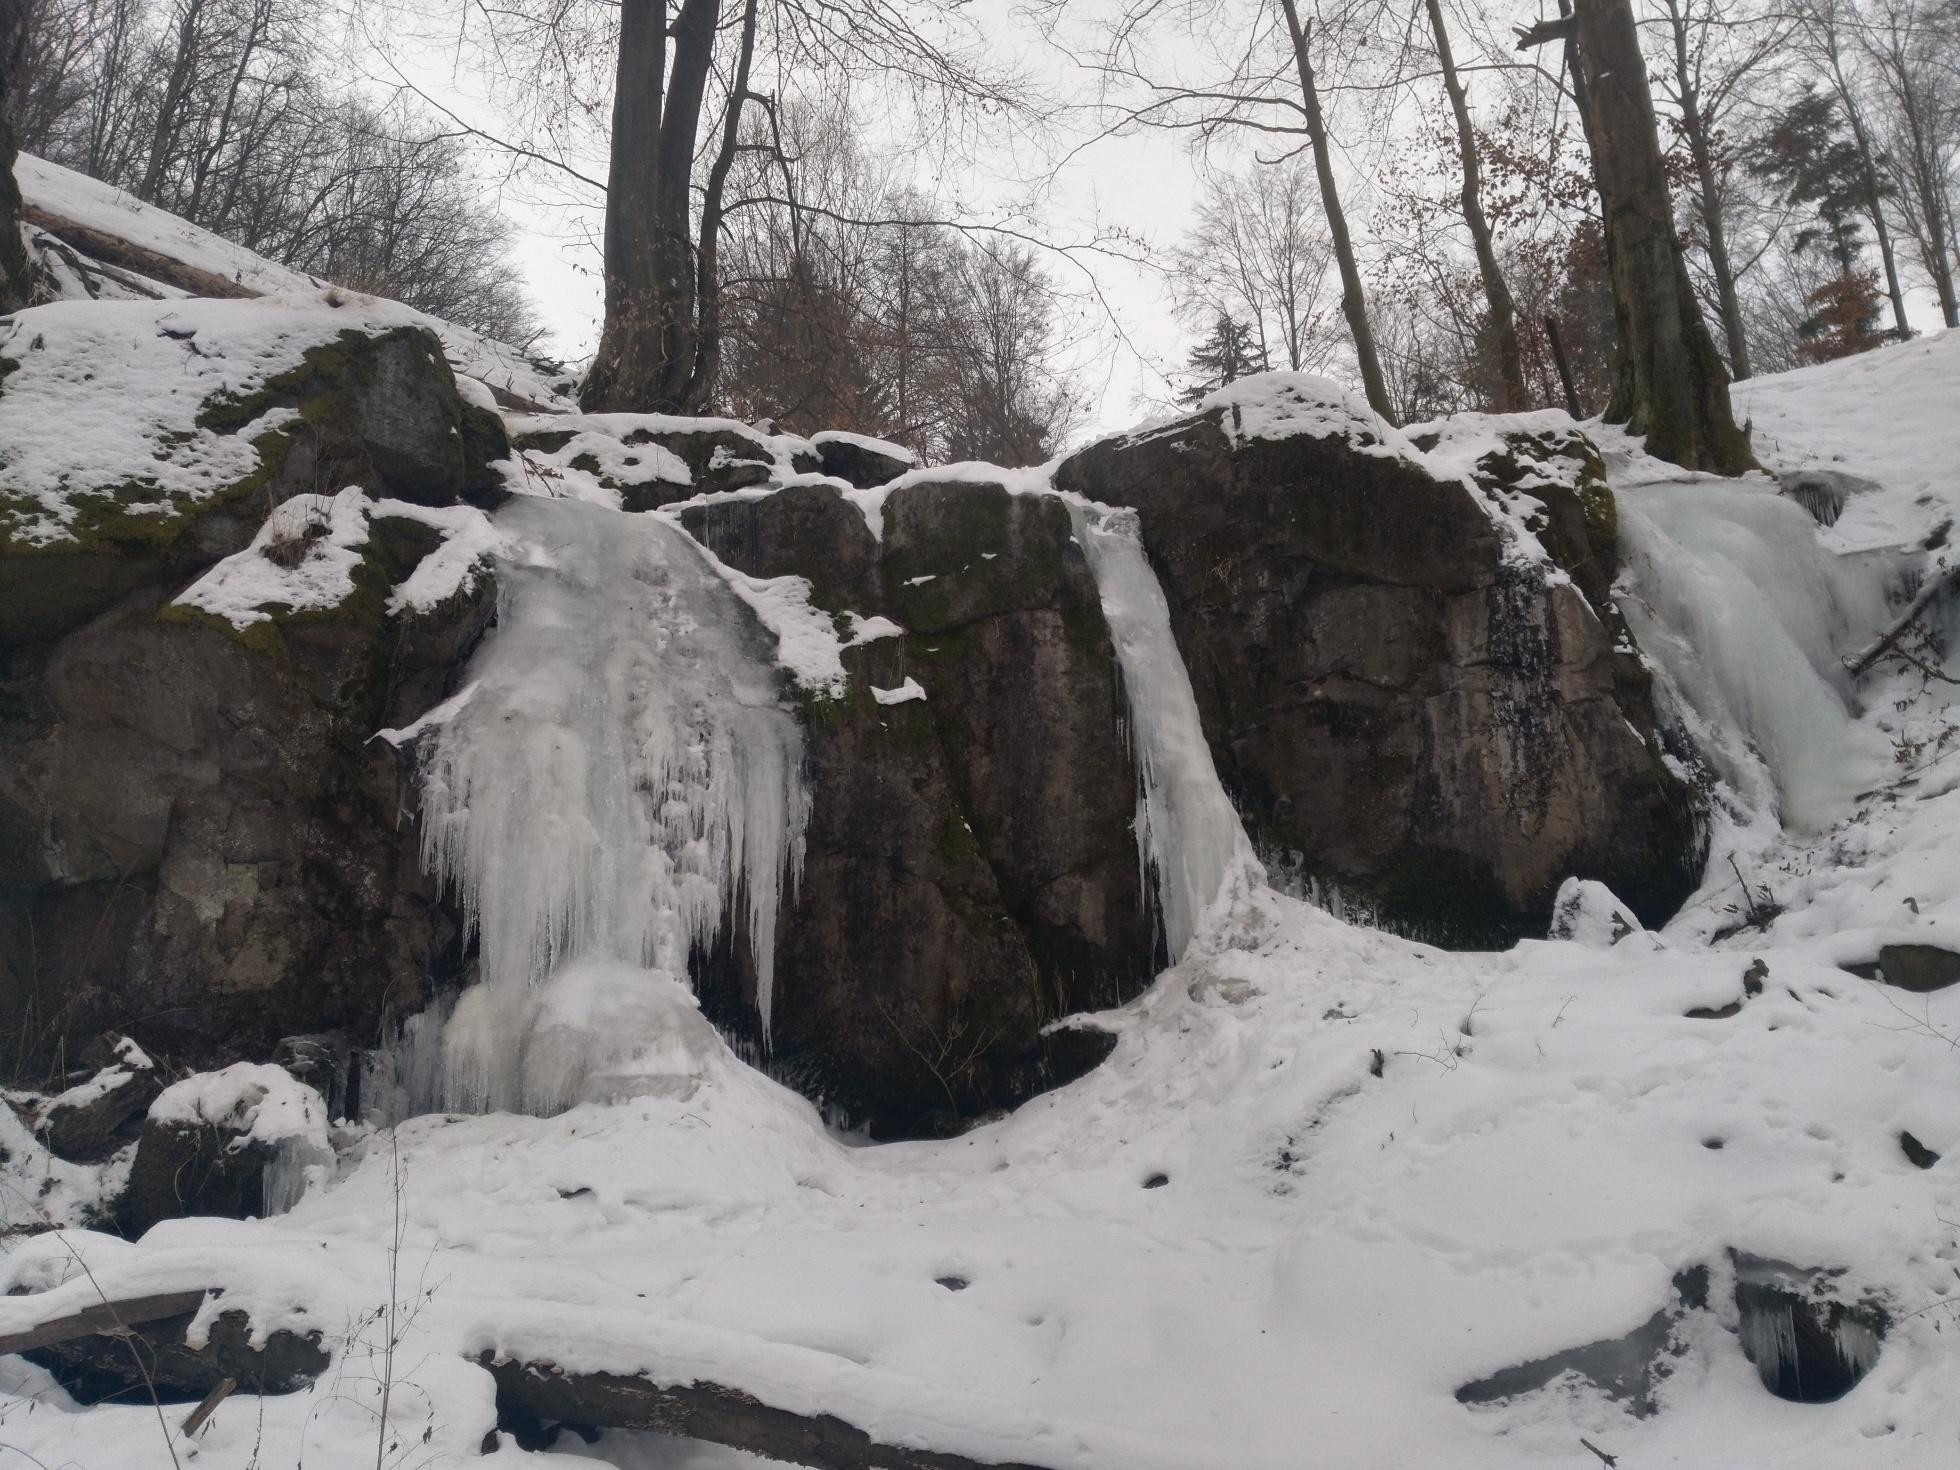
<point x="1670" y="384"/>
<point x="1716" y="49"/>
<point x="1503" y="311"/>
<point x="1256" y="253"/>
<point x="1912" y="47"/>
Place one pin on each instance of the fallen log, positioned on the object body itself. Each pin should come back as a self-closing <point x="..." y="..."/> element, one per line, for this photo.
<point x="111" y="250"/>
<point x="534" y="1399"/>
<point x="137" y="1346"/>
<point x="103" y="1318"/>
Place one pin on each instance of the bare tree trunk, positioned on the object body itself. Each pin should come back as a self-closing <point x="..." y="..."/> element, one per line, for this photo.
<point x="1670" y="383"/>
<point x="707" y="357"/>
<point x="630" y="358"/>
<point x="647" y="346"/>
<point x="1701" y="149"/>
<point x="16" y="276"/>
<point x="1925" y="177"/>
<point x="1354" y="301"/>
<point x="1503" y="312"/>
<point x="163" y="139"/>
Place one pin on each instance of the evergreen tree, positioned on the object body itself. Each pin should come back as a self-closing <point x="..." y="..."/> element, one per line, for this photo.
<point x="1813" y="163"/>
<point x="1229" y="353"/>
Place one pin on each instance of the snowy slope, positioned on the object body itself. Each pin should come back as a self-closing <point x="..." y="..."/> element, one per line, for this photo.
<point x="1327" y="1177"/>
<point x="80" y="200"/>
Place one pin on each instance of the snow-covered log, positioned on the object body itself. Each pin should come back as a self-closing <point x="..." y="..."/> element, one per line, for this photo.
<point x="541" y="1393"/>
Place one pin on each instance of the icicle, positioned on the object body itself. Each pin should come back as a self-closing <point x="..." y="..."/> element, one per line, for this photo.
<point x="1728" y="589"/>
<point x="623" y="775"/>
<point x="1189" y="838"/>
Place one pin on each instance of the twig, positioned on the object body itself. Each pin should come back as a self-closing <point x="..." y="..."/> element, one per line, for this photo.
<point x="1948" y="580"/>
<point x="197" y="1417"/>
<point x="1608" y="1460"/>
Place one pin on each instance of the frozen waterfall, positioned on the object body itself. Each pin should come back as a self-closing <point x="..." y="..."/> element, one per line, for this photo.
<point x="1728" y="589"/>
<point x="619" y="774"/>
<point x="1189" y="837"/>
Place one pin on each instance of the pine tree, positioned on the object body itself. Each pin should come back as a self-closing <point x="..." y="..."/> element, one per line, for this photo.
<point x="1813" y="163"/>
<point x="1229" y="353"/>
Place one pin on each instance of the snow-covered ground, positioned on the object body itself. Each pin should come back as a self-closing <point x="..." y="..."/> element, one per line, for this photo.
<point x="1327" y="1177"/>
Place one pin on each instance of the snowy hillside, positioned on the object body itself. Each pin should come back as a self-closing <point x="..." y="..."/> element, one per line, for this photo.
<point x="1328" y="1178"/>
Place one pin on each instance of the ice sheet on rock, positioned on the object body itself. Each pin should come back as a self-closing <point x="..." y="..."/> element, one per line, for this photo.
<point x="1748" y="615"/>
<point x="1189" y="838"/>
<point x="622" y="782"/>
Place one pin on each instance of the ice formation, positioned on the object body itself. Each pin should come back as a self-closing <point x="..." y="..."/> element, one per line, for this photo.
<point x="623" y="776"/>
<point x="1188" y="835"/>
<point x="1748" y="616"/>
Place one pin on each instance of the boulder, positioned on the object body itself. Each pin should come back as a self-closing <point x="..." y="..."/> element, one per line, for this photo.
<point x="1416" y="712"/>
<point x="85" y="1123"/>
<point x="1587" y="913"/>
<point x="196" y="826"/>
<point x="234" y="1143"/>
<point x="864" y="462"/>
<point x="971" y="875"/>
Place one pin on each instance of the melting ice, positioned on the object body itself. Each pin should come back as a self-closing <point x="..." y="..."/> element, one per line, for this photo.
<point x="1748" y="615"/>
<point x="1188" y="835"/>
<point x="621" y="778"/>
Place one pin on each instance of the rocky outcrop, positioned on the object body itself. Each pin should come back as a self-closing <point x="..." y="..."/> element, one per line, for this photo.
<point x="971" y="874"/>
<point x="1410" y="708"/>
<point x="199" y="840"/>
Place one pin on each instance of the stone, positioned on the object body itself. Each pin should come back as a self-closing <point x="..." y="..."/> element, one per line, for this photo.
<point x="1410" y="721"/>
<point x="860" y="461"/>
<point x="1587" y="913"/>
<point x="966" y="881"/>
<point x="196" y="825"/>
<point x="85" y="1124"/>
<point x="1627" y="1369"/>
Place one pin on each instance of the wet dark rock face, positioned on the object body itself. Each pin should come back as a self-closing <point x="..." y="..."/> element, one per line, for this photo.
<point x="971" y="873"/>
<point x="1437" y="731"/>
<point x="200" y="844"/>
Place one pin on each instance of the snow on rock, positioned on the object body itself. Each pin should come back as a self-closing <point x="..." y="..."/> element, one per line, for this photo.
<point x="256" y="1103"/>
<point x="1279" y="405"/>
<point x="99" y="207"/>
<point x="1587" y="913"/>
<point x="304" y="557"/>
<point x="904" y="694"/>
<point x="808" y="647"/>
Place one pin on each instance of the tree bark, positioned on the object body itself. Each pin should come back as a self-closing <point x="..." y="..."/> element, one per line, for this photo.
<point x="649" y="344"/>
<point x="707" y="356"/>
<point x="16" y="274"/>
<point x="1670" y="384"/>
<point x="628" y="364"/>
<point x="1497" y="292"/>
<point x="1354" y="301"/>
<point x="1695" y="126"/>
